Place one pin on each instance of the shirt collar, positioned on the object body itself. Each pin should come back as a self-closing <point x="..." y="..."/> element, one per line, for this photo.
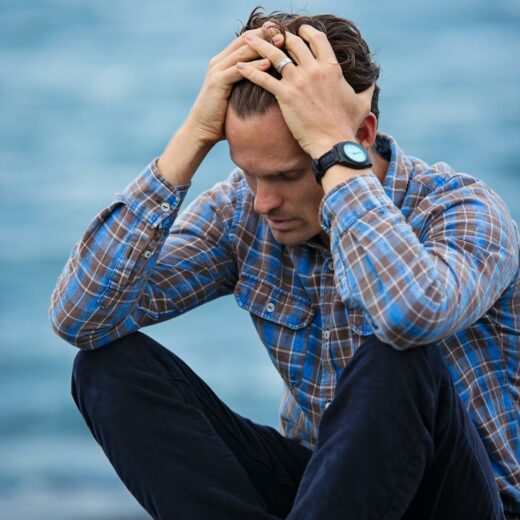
<point x="398" y="174"/>
<point x="395" y="182"/>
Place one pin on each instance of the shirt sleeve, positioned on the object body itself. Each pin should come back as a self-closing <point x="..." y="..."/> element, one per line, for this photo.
<point x="428" y="277"/>
<point x="139" y="263"/>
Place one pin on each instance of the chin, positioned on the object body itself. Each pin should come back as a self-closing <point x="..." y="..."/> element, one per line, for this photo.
<point x="291" y="238"/>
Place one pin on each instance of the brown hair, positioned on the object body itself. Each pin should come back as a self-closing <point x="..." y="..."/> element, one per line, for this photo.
<point x="352" y="53"/>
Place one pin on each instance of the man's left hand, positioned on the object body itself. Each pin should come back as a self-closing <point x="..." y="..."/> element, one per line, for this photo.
<point x="318" y="105"/>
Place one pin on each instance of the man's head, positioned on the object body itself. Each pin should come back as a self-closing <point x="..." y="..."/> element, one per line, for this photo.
<point x="277" y="170"/>
<point x="352" y="53"/>
<point x="279" y="174"/>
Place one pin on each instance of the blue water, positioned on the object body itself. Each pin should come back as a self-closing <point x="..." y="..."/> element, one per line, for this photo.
<point x="90" y="91"/>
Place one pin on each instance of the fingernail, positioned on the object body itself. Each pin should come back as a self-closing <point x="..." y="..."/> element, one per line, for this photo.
<point x="264" y="63"/>
<point x="277" y="38"/>
<point x="250" y="37"/>
<point x="240" y="65"/>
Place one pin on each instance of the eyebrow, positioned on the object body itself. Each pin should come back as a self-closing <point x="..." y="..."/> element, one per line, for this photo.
<point x="276" y="173"/>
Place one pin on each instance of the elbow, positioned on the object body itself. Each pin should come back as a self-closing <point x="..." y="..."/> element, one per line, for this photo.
<point x="77" y="333"/>
<point x="65" y="332"/>
<point x="418" y="323"/>
<point x="403" y="339"/>
<point x="66" y="328"/>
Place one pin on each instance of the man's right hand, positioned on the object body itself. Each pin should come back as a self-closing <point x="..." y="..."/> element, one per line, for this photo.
<point x="209" y="110"/>
<point x="204" y="126"/>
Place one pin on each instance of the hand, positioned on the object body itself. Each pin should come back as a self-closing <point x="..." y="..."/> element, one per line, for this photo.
<point x="317" y="103"/>
<point x="206" y="118"/>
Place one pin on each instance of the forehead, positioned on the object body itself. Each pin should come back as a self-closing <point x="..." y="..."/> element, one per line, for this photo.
<point x="263" y="145"/>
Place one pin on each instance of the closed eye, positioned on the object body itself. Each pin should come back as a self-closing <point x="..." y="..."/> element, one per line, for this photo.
<point x="291" y="176"/>
<point x="287" y="176"/>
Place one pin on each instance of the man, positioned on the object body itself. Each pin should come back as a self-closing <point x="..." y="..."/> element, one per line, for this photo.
<point x="384" y="289"/>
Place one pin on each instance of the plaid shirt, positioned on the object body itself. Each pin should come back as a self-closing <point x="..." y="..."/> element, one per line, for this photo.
<point x="430" y="256"/>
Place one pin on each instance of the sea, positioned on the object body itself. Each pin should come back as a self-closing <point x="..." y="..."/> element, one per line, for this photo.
<point x="90" y="92"/>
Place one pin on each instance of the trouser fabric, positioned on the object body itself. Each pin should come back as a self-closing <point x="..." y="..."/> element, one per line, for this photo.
<point x="395" y="443"/>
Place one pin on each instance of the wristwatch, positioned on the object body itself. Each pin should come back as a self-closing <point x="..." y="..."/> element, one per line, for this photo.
<point x="347" y="153"/>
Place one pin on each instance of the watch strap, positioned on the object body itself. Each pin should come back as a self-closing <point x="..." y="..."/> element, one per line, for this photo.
<point x="337" y="156"/>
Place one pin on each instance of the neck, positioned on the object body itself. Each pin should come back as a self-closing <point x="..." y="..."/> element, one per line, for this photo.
<point x="379" y="165"/>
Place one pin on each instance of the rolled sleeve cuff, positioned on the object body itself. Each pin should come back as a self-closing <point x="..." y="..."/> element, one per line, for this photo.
<point x="152" y="198"/>
<point x="348" y="202"/>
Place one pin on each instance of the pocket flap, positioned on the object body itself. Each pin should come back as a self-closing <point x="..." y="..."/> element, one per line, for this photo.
<point x="359" y="322"/>
<point x="272" y="303"/>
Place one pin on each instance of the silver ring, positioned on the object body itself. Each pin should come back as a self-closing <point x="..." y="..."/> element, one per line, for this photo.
<point x="282" y="63"/>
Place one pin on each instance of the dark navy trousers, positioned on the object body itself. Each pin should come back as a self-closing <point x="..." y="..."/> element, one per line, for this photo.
<point x="395" y="443"/>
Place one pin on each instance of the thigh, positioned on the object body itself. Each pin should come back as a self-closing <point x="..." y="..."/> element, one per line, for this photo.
<point x="273" y="463"/>
<point x="396" y="442"/>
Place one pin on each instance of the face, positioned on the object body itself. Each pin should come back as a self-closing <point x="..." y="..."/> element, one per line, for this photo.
<point x="278" y="173"/>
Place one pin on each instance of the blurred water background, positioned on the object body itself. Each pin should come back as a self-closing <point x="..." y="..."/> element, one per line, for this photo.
<point x="90" y="91"/>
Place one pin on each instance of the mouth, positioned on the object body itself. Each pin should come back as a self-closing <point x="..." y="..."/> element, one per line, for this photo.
<point x="281" y="224"/>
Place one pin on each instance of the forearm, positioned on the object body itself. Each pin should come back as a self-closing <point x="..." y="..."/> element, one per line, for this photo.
<point x="99" y="290"/>
<point x="418" y="286"/>
<point x="183" y="155"/>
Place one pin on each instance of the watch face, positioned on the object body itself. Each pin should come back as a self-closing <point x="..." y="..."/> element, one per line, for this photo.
<point x="355" y="152"/>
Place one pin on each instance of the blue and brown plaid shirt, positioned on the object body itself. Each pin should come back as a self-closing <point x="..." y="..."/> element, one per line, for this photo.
<point x="431" y="255"/>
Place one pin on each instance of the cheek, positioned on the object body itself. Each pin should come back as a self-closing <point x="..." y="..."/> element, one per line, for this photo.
<point x="251" y="182"/>
<point x="310" y="205"/>
<point x="309" y="196"/>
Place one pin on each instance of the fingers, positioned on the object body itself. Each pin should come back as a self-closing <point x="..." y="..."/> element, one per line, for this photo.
<point x="236" y="44"/>
<point x="265" y="49"/>
<point x="259" y="77"/>
<point x="319" y="43"/>
<point x="298" y="50"/>
<point x="233" y="74"/>
<point x="320" y="48"/>
<point x="242" y="53"/>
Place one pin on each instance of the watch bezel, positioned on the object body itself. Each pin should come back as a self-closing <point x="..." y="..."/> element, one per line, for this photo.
<point x="358" y="147"/>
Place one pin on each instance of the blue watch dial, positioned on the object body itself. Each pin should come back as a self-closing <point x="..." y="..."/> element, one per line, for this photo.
<point x="355" y="152"/>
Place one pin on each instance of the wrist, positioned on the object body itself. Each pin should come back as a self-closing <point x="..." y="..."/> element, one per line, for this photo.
<point x="191" y="135"/>
<point x="324" y="145"/>
<point x="338" y="174"/>
<point x="183" y="155"/>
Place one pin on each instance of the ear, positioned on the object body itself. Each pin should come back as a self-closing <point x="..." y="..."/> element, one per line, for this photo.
<point x="366" y="134"/>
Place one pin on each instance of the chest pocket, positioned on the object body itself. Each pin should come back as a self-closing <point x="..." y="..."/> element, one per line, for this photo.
<point x="282" y="320"/>
<point x="359" y="322"/>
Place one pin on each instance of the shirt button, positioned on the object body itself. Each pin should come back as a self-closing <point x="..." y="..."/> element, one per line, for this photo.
<point x="147" y="254"/>
<point x="327" y="404"/>
<point x="165" y="207"/>
<point x="330" y="266"/>
<point x="325" y="334"/>
<point x="269" y="307"/>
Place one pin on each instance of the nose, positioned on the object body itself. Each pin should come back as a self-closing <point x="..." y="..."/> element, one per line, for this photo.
<point x="266" y="199"/>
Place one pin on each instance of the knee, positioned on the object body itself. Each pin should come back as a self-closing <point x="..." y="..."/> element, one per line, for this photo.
<point x="125" y="360"/>
<point x="105" y="380"/>
<point x="87" y="362"/>
<point x="95" y="367"/>
<point x="383" y="366"/>
<point x="375" y="353"/>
